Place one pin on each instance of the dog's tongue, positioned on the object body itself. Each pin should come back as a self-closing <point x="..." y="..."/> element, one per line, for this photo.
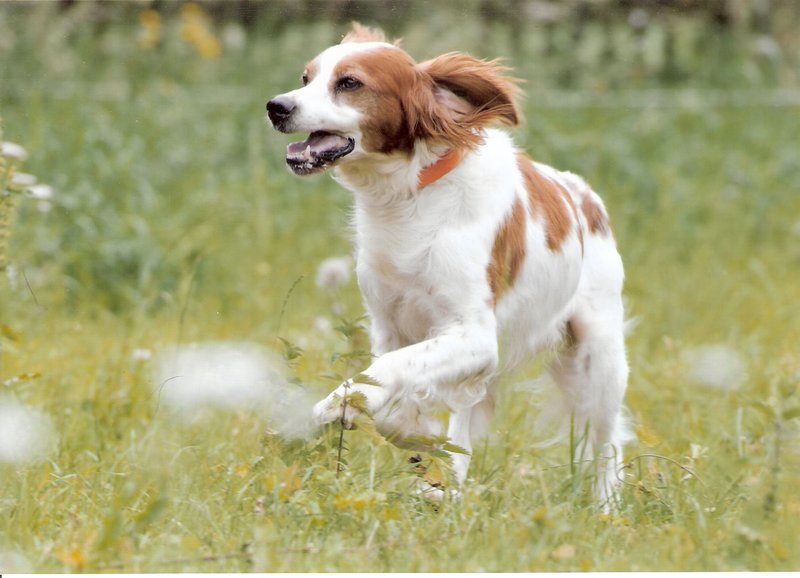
<point x="320" y="144"/>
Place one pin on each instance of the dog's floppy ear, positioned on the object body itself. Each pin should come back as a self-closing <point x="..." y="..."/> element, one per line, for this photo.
<point x="455" y="96"/>
<point x="476" y="92"/>
<point x="361" y="33"/>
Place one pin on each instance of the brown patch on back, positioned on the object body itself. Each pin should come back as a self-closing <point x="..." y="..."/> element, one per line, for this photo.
<point x="596" y="216"/>
<point x="508" y="252"/>
<point x="549" y="202"/>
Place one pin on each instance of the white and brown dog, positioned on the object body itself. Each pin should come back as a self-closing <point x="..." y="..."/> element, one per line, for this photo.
<point x="471" y="256"/>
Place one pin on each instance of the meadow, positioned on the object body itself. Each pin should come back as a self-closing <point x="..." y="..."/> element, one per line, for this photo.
<point x="173" y="221"/>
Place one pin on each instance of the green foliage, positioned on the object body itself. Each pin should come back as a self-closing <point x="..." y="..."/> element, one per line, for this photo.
<point x="174" y="220"/>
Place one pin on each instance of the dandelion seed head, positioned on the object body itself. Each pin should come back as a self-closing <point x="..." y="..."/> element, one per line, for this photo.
<point x="23" y="180"/>
<point x="767" y="46"/>
<point x="545" y="11"/>
<point x="234" y="36"/>
<point x="323" y="325"/>
<point x="26" y="434"/>
<point x="716" y="366"/>
<point x="12" y="275"/>
<point x="13" y="151"/>
<point x="334" y="273"/>
<point x="41" y="192"/>
<point x="639" y="18"/>
<point x="230" y="376"/>
<point x="141" y="354"/>
<point x="225" y="375"/>
<point x="14" y="563"/>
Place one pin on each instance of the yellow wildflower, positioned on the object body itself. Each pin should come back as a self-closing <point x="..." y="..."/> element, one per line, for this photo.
<point x="150" y="35"/>
<point x="196" y="30"/>
<point x="209" y="47"/>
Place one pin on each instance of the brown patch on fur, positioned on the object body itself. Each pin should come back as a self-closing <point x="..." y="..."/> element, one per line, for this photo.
<point x="360" y="33"/>
<point x="310" y="70"/>
<point x="456" y="96"/>
<point x="574" y="210"/>
<point x="483" y="84"/>
<point x="572" y="334"/>
<point x="596" y="216"/>
<point x="549" y="201"/>
<point x="508" y="252"/>
<point x="445" y="100"/>
<point x="386" y="74"/>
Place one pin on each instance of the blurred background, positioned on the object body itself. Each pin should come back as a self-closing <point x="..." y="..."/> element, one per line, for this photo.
<point x="144" y="203"/>
<point x="146" y="118"/>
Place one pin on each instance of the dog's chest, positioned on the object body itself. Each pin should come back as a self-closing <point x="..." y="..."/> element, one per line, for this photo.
<point x="422" y="263"/>
<point x="403" y="292"/>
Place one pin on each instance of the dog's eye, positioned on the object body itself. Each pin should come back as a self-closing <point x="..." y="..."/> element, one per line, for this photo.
<point x="348" y="83"/>
<point x="304" y="78"/>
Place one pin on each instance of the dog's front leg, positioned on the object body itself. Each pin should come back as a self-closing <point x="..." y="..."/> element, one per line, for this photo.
<point x="433" y="368"/>
<point x="439" y="371"/>
<point x="436" y="366"/>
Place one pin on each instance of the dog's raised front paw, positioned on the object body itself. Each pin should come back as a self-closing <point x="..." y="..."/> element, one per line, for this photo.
<point x="347" y="402"/>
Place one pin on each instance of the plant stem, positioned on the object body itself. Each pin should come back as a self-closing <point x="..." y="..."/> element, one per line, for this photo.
<point x="341" y="432"/>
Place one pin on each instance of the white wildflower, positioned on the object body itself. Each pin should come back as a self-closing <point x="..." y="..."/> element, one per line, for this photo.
<point x="26" y="434"/>
<point x="13" y="276"/>
<point x="234" y="377"/>
<point x="23" y="180"/>
<point x="543" y="11"/>
<point x="767" y="46"/>
<point x="225" y="375"/>
<point x="323" y="325"/>
<point x="14" y="563"/>
<point x="716" y="366"/>
<point x="334" y="272"/>
<point x="41" y="192"/>
<point x="141" y="354"/>
<point x="13" y="151"/>
<point x="638" y="18"/>
<point x="234" y="36"/>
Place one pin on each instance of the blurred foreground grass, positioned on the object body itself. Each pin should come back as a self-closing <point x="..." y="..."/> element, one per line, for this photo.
<point x="174" y="221"/>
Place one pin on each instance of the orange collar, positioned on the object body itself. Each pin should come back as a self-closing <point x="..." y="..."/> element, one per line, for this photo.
<point x="440" y="168"/>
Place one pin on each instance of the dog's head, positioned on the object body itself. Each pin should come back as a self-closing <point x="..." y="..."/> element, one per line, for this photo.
<point x="367" y="97"/>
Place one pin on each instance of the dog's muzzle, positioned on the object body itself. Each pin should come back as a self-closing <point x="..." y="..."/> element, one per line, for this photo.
<point x="318" y="152"/>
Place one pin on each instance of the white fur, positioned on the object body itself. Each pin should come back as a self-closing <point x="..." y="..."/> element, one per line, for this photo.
<point x="439" y="339"/>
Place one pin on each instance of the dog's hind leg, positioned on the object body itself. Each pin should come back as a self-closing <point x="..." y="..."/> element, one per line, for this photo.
<point x="465" y="428"/>
<point x="458" y="433"/>
<point x="592" y="374"/>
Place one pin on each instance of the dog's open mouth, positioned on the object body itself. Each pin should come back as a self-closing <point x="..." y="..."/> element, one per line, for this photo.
<point x="317" y="152"/>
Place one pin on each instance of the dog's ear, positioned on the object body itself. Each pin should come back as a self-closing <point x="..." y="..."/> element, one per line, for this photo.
<point x="361" y="33"/>
<point x="455" y="95"/>
<point x="475" y="92"/>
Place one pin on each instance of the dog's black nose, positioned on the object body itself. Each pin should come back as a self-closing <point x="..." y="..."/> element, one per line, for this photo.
<point x="279" y="109"/>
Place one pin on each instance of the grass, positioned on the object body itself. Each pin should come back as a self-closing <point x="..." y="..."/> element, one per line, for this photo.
<point x="174" y="221"/>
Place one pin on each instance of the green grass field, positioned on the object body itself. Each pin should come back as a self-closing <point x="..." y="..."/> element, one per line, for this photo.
<point x="174" y="221"/>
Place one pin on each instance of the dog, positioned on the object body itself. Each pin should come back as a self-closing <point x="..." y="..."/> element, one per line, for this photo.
<point x="471" y="256"/>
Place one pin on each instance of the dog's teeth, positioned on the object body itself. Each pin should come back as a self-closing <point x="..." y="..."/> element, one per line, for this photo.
<point x="307" y="152"/>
